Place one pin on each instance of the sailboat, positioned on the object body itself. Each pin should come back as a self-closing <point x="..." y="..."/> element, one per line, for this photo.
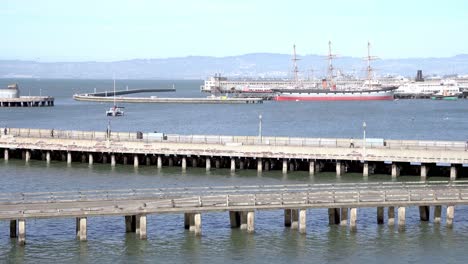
<point x="115" y="110"/>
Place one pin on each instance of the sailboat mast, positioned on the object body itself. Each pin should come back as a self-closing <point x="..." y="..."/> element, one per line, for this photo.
<point x="114" y="91"/>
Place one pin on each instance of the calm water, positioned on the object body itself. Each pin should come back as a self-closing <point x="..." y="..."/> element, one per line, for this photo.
<point x="53" y="239"/>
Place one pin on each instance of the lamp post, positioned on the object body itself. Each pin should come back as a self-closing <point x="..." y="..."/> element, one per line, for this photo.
<point x="364" y="137"/>
<point x="260" y="127"/>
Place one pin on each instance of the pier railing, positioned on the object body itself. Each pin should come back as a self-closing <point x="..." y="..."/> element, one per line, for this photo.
<point x="237" y="140"/>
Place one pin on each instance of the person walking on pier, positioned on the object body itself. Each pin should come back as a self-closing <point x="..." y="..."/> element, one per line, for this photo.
<point x="5" y="130"/>
<point x="351" y="144"/>
<point x="466" y="145"/>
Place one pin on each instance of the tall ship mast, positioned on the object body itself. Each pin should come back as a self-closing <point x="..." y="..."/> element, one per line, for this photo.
<point x="370" y="70"/>
<point x="295" y="69"/>
<point x="331" y="69"/>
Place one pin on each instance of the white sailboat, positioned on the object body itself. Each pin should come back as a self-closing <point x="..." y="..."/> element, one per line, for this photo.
<point x="115" y="110"/>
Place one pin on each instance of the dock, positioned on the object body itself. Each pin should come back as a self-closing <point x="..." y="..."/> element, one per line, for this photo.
<point x="343" y="202"/>
<point x="153" y="99"/>
<point x="27" y="101"/>
<point x="287" y="154"/>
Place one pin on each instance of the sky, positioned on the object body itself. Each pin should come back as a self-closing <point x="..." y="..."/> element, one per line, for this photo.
<point x="90" y="30"/>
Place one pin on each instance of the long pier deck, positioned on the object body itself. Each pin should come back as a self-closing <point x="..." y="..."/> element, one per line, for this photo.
<point x="27" y="101"/>
<point x="342" y="201"/>
<point x="395" y="157"/>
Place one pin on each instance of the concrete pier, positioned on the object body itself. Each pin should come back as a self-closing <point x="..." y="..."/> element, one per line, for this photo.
<point x="141" y="226"/>
<point x="424" y="213"/>
<point x="135" y="161"/>
<point x="339" y="168"/>
<point x="285" y="166"/>
<point x="294" y="218"/>
<point x="251" y="221"/>
<point x="90" y="159"/>
<point x="21" y="232"/>
<point x="81" y="228"/>
<point x="13" y="227"/>
<point x="233" y="165"/>
<point x="113" y="160"/>
<point x="423" y="172"/>
<point x="311" y="167"/>
<point x="259" y="165"/>
<point x="353" y="219"/>
<point x="208" y="164"/>
<point x="69" y="158"/>
<point x="198" y="224"/>
<point x="391" y="215"/>
<point x="6" y="154"/>
<point x="437" y="214"/>
<point x="380" y="215"/>
<point x="184" y="163"/>
<point x="450" y="215"/>
<point x="302" y="221"/>
<point x="365" y="169"/>
<point x="401" y="217"/>
<point x="344" y="217"/>
<point x="287" y="217"/>
<point x="159" y="162"/>
<point x="453" y="173"/>
<point x="48" y="157"/>
<point x="27" y="156"/>
<point x="395" y="170"/>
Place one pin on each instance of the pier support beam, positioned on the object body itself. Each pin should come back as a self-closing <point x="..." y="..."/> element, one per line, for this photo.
<point x="47" y="157"/>
<point x="352" y="218"/>
<point x="21" y="232"/>
<point x="90" y="158"/>
<point x="69" y="158"/>
<point x="135" y="161"/>
<point x="437" y="214"/>
<point x="311" y="167"/>
<point x="450" y="215"/>
<point x="423" y="172"/>
<point x="235" y="219"/>
<point x="344" y="217"/>
<point x="302" y="221"/>
<point x="395" y="170"/>
<point x="453" y="173"/>
<point x="380" y="215"/>
<point x="259" y="165"/>
<point x="365" y="169"/>
<point x="141" y="226"/>
<point x="401" y="217"/>
<point x="233" y="165"/>
<point x="13" y="226"/>
<point x="251" y="221"/>
<point x="159" y="162"/>
<point x="287" y="217"/>
<point x="424" y="213"/>
<point x="391" y="215"/>
<point x="81" y="231"/>
<point x="294" y="218"/>
<point x="208" y="164"/>
<point x="339" y="168"/>
<point x="27" y="156"/>
<point x="198" y="224"/>
<point x="184" y="163"/>
<point x="285" y="166"/>
<point x="5" y="154"/>
<point x="113" y="160"/>
<point x="333" y="216"/>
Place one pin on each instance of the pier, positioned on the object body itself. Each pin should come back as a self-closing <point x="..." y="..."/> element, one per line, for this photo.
<point x="241" y="202"/>
<point x="27" y="101"/>
<point x="171" y="100"/>
<point x="287" y="154"/>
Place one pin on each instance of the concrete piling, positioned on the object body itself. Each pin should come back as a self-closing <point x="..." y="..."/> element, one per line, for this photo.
<point x="453" y="173"/>
<point x="333" y="216"/>
<point x="287" y="217"/>
<point x="208" y="164"/>
<point x="129" y="223"/>
<point x="311" y="167"/>
<point x="135" y="161"/>
<point x="217" y="163"/>
<point x="113" y="160"/>
<point x="184" y="163"/>
<point x="13" y="226"/>
<point x="170" y="162"/>
<point x="294" y="218"/>
<point x="450" y="215"/>
<point x="391" y="215"/>
<point x="81" y="227"/>
<point x="302" y="221"/>
<point x="233" y="165"/>
<point x="234" y="219"/>
<point x="424" y="213"/>
<point x="339" y="168"/>
<point x="197" y="220"/>
<point x="353" y="219"/>
<point x="344" y="217"/>
<point x="148" y="161"/>
<point x="159" y="162"/>
<point x="27" y="156"/>
<point x="125" y="160"/>
<point x="21" y="232"/>
<point x="395" y="170"/>
<point x="423" y="172"/>
<point x="267" y="165"/>
<point x="69" y="158"/>
<point x="365" y="169"/>
<point x="285" y="166"/>
<point x="141" y="227"/>
<point x="6" y="154"/>
<point x="259" y="165"/>
<point x="241" y="164"/>
<point x="437" y="214"/>
<point x="251" y="221"/>
<point x="380" y="215"/>
<point x="194" y="162"/>
<point x="243" y="220"/>
<point x="90" y="159"/>
<point x="401" y="217"/>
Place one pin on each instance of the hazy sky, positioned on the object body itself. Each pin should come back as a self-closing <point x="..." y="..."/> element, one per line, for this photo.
<point x="80" y="30"/>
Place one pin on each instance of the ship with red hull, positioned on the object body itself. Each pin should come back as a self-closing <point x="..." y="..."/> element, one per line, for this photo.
<point x="335" y="95"/>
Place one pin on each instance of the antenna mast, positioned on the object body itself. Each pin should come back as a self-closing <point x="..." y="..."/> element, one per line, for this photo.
<point x="295" y="69"/>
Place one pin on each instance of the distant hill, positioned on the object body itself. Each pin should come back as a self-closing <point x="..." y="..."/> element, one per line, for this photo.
<point x="254" y="65"/>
